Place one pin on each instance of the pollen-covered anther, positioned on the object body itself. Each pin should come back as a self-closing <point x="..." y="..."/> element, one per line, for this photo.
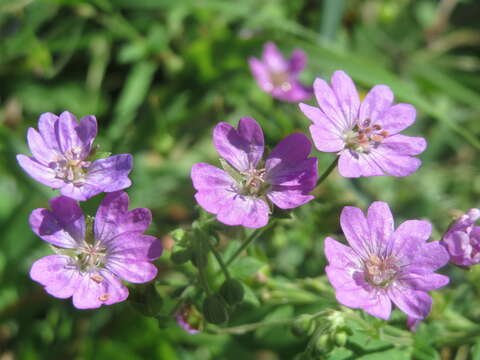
<point x="97" y="278"/>
<point x="104" y="297"/>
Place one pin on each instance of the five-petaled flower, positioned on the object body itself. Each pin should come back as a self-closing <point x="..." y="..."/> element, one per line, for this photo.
<point x="366" y="135"/>
<point x="278" y="76"/>
<point x="61" y="150"/>
<point x="93" y="257"/>
<point x="462" y="239"/>
<point x="239" y="194"/>
<point x="384" y="265"/>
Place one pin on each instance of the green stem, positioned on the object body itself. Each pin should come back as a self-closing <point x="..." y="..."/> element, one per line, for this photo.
<point x="327" y="172"/>
<point x="219" y="258"/>
<point x="249" y="240"/>
<point x="203" y="280"/>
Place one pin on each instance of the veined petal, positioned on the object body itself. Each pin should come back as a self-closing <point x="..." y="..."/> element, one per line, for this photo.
<point x="136" y="272"/>
<point x="409" y="236"/>
<point x="129" y="247"/>
<point x="288" y="153"/>
<point x="289" y="197"/>
<point x="339" y="255"/>
<point x="57" y="274"/>
<point x="424" y="282"/>
<point x="405" y="145"/>
<point x="110" y="174"/>
<point x="244" y="210"/>
<point x="428" y="258"/>
<point x="86" y="132"/>
<point x="48" y="128"/>
<point x="91" y="293"/>
<point x="355" y="227"/>
<point x="378" y="100"/>
<point x="110" y="214"/>
<point x="414" y="303"/>
<point x="328" y="103"/>
<point x="67" y="132"/>
<point x="347" y="96"/>
<point x="393" y="163"/>
<point x="380" y="223"/>
<point x="397" y="118"/>
<point x="43" y="153"/>
<point x="326" y="139"/>
<point x="242" y="148"/>
<point x="80" y="192"/>
<point x="39" y="172"/>
<point x="352" y="164"/>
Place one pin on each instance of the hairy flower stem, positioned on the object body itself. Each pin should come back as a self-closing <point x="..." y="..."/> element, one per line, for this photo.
<point x="327" y="172"/>
<point x="219" y="259"/>
<point x="249" y="240"/>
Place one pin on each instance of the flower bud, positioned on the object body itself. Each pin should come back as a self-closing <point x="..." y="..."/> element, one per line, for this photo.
<point x="341" y="338"/>
<point x="214" y="310"/>
<point x="303" y="326"/>
<point x="232" y="291"/>
<point x="324" y="344"/>
<point x="181" y="256"/>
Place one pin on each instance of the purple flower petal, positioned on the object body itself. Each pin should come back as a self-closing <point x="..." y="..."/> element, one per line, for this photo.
<point x="91" y="293"/>
<point x="67" y="134"/>
<point x="39" y="172"/>
<point x="381" y="308"/>
<point x="134" y="247"/>
<point x="377" y="101"/>
<point x="411" y="235"/>
<point x="327" y="100"/>
<point x="244" y="210"/>
<point x="214" y="186"/>
<point x="295" y="92"/>
<point x="110" y="214"/>
<point x="273" y="58"/>
<point x="355" y="227"/>
<point x="352" y="164"/>
<point x="261" y="74"/>
<point x="414" y="303"/>
<point x="398" y="117"/>
<point x="325" y="139"/>
<point x="289" y="197"/>
<point x="287" y="163"/>
<point x="428" y="258"/>
<point x="339" y="255"/>
<point x="347" y="96"/>
<point x="110" y="174"/>
<point x="80" y="192"/>
<point x="48" y="125"/>
<point x="425" y="282"/>
<point x="297" y="62"/>
<point x="87" y="131"/>
<point x="57" y="274"/>
<point x="380" y="223"/>
<point x="40" y="150"/>
<point x="394" y="163"/>
<point x="242" y="148"/>
<point x="405" y="145"/>
<point x="136" y="272"/>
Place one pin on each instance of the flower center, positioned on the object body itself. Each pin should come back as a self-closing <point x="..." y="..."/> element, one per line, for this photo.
<point x="380" y="271"/>
<point x="253" y="182"/>
<point x="280" y="80"/>
<point x="363" y="139"/>
<point x="70" y="167"/>
<point x="91" y="257"/>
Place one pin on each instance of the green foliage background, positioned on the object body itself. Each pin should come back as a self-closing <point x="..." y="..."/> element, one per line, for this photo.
<point x="159" y="74"/>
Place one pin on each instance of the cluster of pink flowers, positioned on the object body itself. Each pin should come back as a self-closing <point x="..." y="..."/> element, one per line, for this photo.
<point x="92" y="256"/>
<point x="381" y="265"/>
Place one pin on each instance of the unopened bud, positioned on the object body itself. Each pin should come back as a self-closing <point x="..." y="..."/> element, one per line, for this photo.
<point x="303" y="326"/>
<point x="214" y="310"/>
<point x="341" y="338"/>
<point x="232" y="291"/>
<point x="324" y="344"/>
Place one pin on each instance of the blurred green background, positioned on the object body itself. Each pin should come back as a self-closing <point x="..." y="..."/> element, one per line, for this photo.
<point x="159" y="74"/>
